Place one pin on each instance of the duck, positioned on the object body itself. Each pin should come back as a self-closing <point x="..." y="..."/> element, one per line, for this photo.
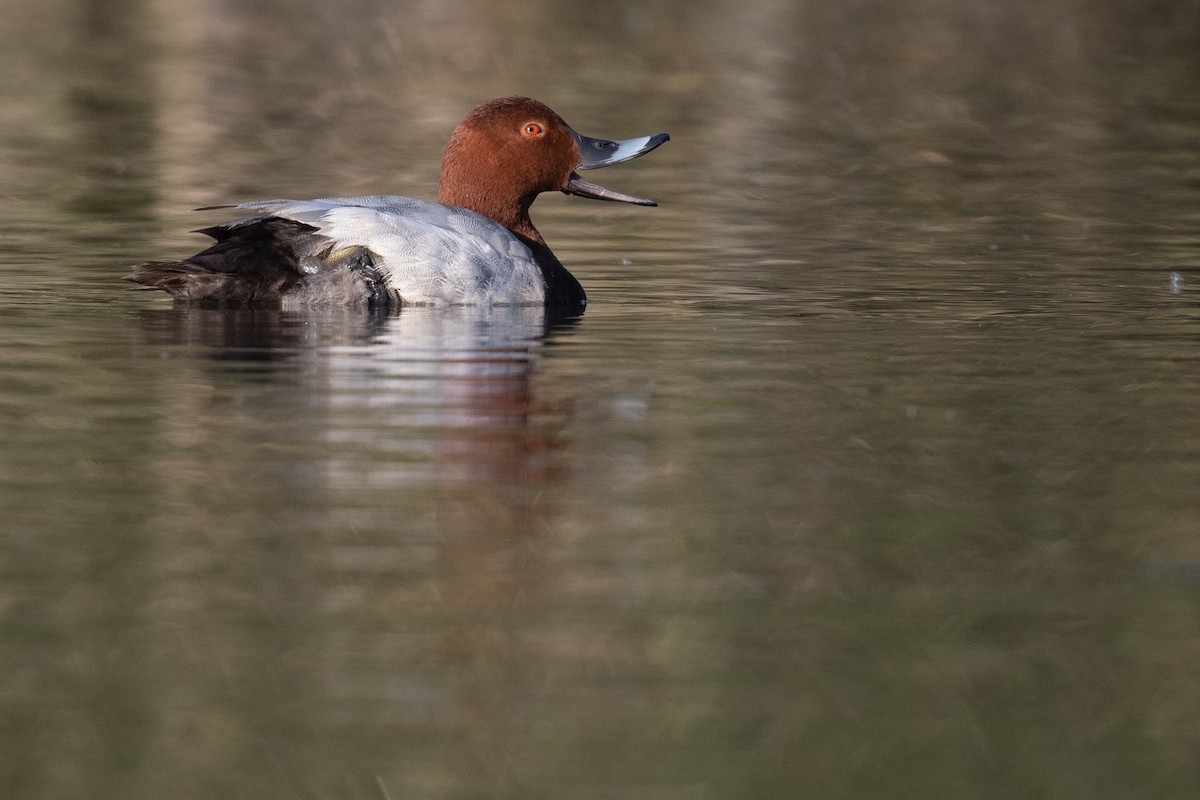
<point x="475" y="246"/>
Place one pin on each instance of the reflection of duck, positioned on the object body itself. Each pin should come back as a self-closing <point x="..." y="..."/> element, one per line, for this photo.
<point x="476" y="246"/>
<point x="258" y="334"/>
<point x="428" y="396"/>
<point x="455" y="384"/>
<point x="270" y="334"/>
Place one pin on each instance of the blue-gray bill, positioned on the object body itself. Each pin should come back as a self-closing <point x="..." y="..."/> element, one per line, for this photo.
<point x="595" y="153"/>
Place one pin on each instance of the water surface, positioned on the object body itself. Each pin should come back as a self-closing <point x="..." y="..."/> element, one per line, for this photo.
<point x="870" y="470"/>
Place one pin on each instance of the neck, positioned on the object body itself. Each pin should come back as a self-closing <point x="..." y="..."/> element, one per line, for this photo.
<point x="511" y="212"/>
<point x="476" y="191"/>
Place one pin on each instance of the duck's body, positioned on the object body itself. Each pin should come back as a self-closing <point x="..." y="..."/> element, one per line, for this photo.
<point x="346" y="250"/>
<point x="476" y="246"/>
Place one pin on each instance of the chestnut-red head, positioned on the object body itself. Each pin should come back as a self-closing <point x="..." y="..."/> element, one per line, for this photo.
<point x="507" y="151"/>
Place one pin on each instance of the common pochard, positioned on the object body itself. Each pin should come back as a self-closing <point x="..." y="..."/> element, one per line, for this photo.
<point x="475" y="246"/>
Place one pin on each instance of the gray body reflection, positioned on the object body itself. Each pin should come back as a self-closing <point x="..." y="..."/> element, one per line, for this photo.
<point x="457" y="380"/>
<point x="404" y="400"/>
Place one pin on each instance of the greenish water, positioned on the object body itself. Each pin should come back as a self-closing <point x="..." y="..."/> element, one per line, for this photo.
<point x="870" y="471"/>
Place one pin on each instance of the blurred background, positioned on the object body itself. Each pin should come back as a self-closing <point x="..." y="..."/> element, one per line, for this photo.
<point x="870" y="471"/>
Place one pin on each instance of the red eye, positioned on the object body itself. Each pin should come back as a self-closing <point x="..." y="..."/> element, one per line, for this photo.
<point x="533" y="129"/>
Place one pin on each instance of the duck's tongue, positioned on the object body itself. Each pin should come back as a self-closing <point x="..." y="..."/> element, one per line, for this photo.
<point x="596" y="153"/>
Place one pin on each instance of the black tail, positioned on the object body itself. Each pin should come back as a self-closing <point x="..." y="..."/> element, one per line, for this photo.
<point x="264" y="259"/>
<point x="187" y="280"/>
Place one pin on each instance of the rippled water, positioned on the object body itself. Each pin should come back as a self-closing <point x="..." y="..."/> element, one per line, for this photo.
<point x="870" y="471"/>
